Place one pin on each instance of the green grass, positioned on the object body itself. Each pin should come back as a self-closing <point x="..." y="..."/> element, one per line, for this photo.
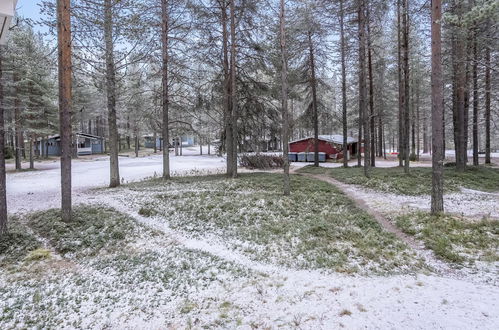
<point x="417" y="182"/>
<point x="91" y="229"/>
<point x="316" y="227"/>
<point x="17" y="243"/>
<point x="109" y="262"/>
<point x="453" y="238"/>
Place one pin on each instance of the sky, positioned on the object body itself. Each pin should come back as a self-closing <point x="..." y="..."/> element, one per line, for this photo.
<point x="30" y="9"/>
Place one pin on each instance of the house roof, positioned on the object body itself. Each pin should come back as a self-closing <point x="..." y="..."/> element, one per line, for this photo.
<point x="57" y="137"/>
<point x="336" y="139"/>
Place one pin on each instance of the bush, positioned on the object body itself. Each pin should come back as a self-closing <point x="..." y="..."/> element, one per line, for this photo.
<point x="9" y="154"/>
<point x="262" y="162"/>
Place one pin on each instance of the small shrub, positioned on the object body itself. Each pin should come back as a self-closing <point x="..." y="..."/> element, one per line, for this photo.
<point x="9" y="154"/>
<point x="38" y="254"/>
<point x="262" y="162"/>
<point x="345" y="312"/>
<point x="147" y="211"/>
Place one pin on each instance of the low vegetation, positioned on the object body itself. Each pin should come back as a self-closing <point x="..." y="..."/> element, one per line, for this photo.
<point x="261" y="161"/>
<point x="80" y="274"/>
<point x="316" y="227"/>
<point x="417" y="182"/>
<point x="92" y="229"/>
<point x="17" y="243"/>
<point x="453" y="238"/>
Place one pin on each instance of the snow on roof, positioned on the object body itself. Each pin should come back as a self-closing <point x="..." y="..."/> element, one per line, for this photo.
<point x="85" y="135"/>
<point x="336" y="139"/>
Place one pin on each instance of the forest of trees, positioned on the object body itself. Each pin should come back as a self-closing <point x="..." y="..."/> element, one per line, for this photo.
<point x="254" y="73"/>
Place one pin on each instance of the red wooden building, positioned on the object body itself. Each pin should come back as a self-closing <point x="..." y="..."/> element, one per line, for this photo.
<point x="331" y="145"/>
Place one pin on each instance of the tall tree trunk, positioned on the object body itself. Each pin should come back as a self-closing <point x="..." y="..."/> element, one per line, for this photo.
<point x="18" y="135"/>
<point x="437" y="101"/>
<point x="405" y="23"/>
<point x="418" y="126"/>
<point x="65" y="102"/>
<point x="31" y="159"/>
<point x="459" y="92"/>
<point x="475" y="100"/>
<point x="363" y="86"/>
<point x="111" y="94"/>
<point x="284" y="92"/>
<point x="371" y="88"/>
<point x="313" y="85"/>
<point x="425" y="133"/>
<point x="233" y="87"/>
<point x="136" y="144"/>
<point x="155" y="138"/>
<point x="165" y="97"/>
<point x="400" y="87"/>
<point x="343" y="84"/>
<point x="413" y="121"/>
<point x="487" y="105"/>
<point x="229" y="143"/>
<point x="381" y="137"/>
<point x="3" y="189"/>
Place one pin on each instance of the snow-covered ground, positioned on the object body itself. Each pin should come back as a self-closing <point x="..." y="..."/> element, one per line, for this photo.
<point x="271" y="296"/>
<point x="469" y="203"/>
<point x="40" y="189"/>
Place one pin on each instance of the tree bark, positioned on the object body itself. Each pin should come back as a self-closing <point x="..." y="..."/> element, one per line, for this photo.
<point x="400" y="88"/>
<point x="437" y="100"/>
<point x="3" y="189"/>
<point x="31" y="159"/>
<point x="459" y="93"/>
<point x="475" y="101"/>
<point x="487" y="105"/>
<point x="233" y="87"/>
<point x="284" y="92"/>
<point x="229" y="143"/>
<point x="371" y="89"/>
<point x="18" y="135"/>
<point x="343" y="84"/>
<point x="364" y="117"/>
<point x="418" y="126"/>
<point x="405" y="23"/>
<point x="313" y="84"/>
<point x="65" y="102"/>
<point x="381" y="137"/>
<point x="165" y="96"/>
<point x="155" y="138"/>
<point x="111" y="94"/>
<point x="136" y="144"/>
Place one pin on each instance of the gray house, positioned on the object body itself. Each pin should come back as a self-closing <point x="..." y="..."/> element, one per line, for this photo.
<point x="149" y="141"/>
<point x="87" y="144"/>
<point x="187" y="141"/>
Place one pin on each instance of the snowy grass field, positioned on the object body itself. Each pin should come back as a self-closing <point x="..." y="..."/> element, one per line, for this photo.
<point x="418" y="182"/>
<point x="209" y="252"/>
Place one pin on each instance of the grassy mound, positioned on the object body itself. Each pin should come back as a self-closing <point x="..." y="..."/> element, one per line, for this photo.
<point x="17" y="243"/>
<point x="316" y="227"/>
<point x="91" y="229"/>
<point x="417" y="182"/>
